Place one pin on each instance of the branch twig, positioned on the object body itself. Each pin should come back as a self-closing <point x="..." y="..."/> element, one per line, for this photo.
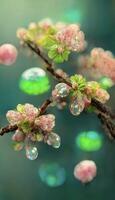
<point x="104" y="113"/>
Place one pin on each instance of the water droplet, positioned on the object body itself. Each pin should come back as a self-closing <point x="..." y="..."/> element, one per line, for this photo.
<point x="31" y="152"/>
<point x="76" y="106"/>
<point x="52" y="174"/>
<point x="34" y="81"/>
<point x="62" y="89"/>
<point x="54" y="140"/>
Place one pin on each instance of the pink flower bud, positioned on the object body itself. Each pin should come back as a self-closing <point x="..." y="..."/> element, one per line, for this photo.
<point x="8" y="54"/>
<point x="87" y="101"/>
<point x="21" y="33"/>
<point x="102" y="95"/>
<point x="85" y="171"/>
<point x="72" y="37"/>
<point x="18" y="136"/>
<point x="30" y="112"/>
<point x="13" y="117"/>
<point x="46" y="122"/>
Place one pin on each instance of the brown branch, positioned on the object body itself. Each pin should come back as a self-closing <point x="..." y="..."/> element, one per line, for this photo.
<point x="44" y="106"/>
<point x="8" y="129"/>
<point x="49" y="66"/>
<point x="107" y="125"/>
<point x="106" y="115"/>
<point x="102" y="108"/>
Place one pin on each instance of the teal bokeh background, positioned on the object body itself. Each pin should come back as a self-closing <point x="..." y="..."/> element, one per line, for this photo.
<point x="18" y="176"/>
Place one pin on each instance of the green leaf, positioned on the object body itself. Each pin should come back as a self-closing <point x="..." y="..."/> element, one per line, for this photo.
<point x="25" y="126"/>
<point x="59" y="58"/>
<point x="48" y="42"/>
<point x="65" y="55"/>
<point x="52" y="54"/>
<point x="20" y="108"/>
<point x="78" y="81"/>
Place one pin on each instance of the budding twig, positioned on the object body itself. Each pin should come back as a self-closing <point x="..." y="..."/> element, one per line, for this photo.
<point x="49" y="66"/>
<point x="104" y="113"/>
<point x="103" y="110"/>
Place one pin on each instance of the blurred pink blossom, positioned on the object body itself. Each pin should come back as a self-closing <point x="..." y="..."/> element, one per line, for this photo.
<point x="85" y="171"/>
<point x="72" y="37"/>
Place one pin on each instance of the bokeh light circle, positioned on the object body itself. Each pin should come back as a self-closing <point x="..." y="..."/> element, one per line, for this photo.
<point x="89" y="141"/>
<point x="106" y="82"/>
<point x="52" y="174"/>
<point x="34" y="81"/>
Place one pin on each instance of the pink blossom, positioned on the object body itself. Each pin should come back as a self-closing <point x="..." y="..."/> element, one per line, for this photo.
<point x="85" y="171"/>
<point x="8" y="54"/>
<point x="14" y="117"/>
<point x="21" y="33"/>
<point x="102" y="95"/>
<point x="72" y="37"/>
<point x="46" y="122"/>
<point x="86" y="100"/>
<point x="18" y="136"/>
<point x="104" y="62"/>
<point x="25" y="112"/>
<point x="29" y="112"/>
<point x="45" y="23"/>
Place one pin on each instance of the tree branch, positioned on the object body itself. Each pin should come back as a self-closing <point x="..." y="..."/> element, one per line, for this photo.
<point x="102" y="109"/>
<point x="49" y="66"/>
<point x="104" y="113"/>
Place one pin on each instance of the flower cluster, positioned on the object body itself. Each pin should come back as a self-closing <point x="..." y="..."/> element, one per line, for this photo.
<point x="8" y="54"/>
<point x="80" y="94"/>
<point x="58" y="39"/>
<point x="99" y="63"/>
<point x="94" y="90"/>
<point x="32" y="128"/>
<point x="72" y="37"/>
<point x="104" y="62"/>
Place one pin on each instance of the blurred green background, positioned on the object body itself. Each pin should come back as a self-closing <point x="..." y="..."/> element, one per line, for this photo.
<point x="19" y="178"/>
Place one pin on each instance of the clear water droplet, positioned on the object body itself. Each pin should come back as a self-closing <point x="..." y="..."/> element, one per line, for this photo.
<point x="76" y="106"/>
<point x="31" y="152"/>
<point x="54" y="140"/>
<point x="62" y="89"/>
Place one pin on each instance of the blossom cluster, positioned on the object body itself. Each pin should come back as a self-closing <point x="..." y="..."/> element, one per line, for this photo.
<point x="32" y="127"/>
<point x="81" y="93"/>
<point x="58" y="39"/>
<point x="99" y="63"/>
